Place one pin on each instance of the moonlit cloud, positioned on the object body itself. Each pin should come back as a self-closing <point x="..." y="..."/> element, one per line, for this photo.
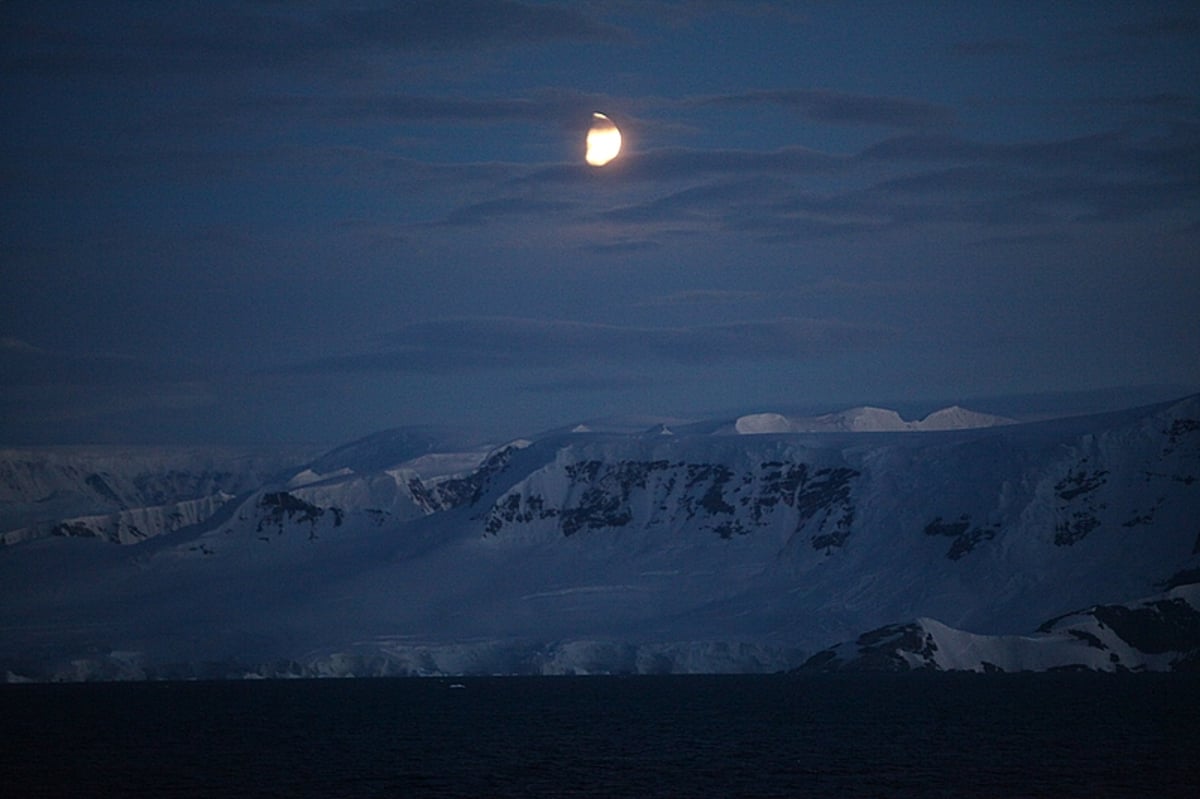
<point x="457" y="24"/>
<point x="991" y="47"/>
<point x="489" y="342"/>
<point x="135" y="40"/>
<point x="841" y="108"/>
<point x="23" y="364"/>
<point x="706" y="296"/>
<point x="587" y="385"/>
<point x="308" y="219"/>
<point x="1169" y="26"/>
<point x="501" y="208"/>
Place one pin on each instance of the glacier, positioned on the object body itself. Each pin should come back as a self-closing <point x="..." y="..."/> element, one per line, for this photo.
<point x="961" y="542"/>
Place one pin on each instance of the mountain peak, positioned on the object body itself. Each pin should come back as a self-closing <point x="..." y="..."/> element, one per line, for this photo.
<point x="628" y="552"/>
<point x="957" y="417"/>
<point x="866" y="419"/>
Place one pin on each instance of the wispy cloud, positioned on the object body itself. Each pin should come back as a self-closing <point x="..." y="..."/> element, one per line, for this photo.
<point x="709" y="297"/>
<point x="906" y="181"/>
<point x="680" y="162"/>
<point x="453" y="24"/>
<point x="622" y="247"/>
<point x="471" y="343"/>
<point x="137" y="41"/>
<point x="501" y="208"/>
<point x="752" y="298"/>
<point x="23" y="364"/>
<point x="554" y="106"/>
<point x="1170" y="26"/>
<point x="604" y="382"/>
<point x="842" y="108"/>
<point x="991" y="47"/>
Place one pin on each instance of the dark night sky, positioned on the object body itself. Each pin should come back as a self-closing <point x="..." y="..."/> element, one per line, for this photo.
<point x="265" y="221"/>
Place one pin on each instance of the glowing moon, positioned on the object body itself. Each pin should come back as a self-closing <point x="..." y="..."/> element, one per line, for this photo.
<point x="603" y="141"/>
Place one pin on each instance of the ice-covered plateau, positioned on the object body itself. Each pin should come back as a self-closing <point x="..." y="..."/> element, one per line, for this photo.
<point x="969" y="543"/>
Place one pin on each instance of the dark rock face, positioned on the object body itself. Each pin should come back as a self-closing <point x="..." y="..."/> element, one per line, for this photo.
<point x="74" y="530"/>
<point x="881" y="649"/>
<point x="1077" y="512"/>
<point x="97" y="483"/>
<point x="1138" y="519"/>
<point x="1075" y="528"/>
<point x="777" y="538"/>
<point x="1088" y="638"/>
<point x="1182" y="577"/>
<point x="1163" y="634"/>
<point x="1083" y="498"/>
<point x="601" y="494"/>
<point x="160" y="489"/>
<point x="1169" y="625"/>
<point x="780" y="483"/>
<point x="827" y="498"/>
<point x="965" y="536"/>
<point x="281" y="507"/>
<point x="468" y="490"/>
<point x="1078" y="483"/>
<point x="422" y="496"/>
<point x="1179" y="430"/>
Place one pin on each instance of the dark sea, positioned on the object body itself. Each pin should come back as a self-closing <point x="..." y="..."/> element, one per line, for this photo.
<point x="1051" y="735"/>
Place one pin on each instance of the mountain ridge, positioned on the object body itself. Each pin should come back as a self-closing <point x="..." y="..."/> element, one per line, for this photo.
<point x="606" y="551"/>
<point x="868" y="419"/>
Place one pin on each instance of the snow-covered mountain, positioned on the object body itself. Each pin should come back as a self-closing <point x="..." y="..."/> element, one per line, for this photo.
<point x="1160" y="633"/>
<point x="127" y="494"/>
<point x="676" y="548"/>
<point x="867" y="420"/>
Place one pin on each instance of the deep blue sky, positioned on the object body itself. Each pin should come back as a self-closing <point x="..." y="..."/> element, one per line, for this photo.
<point x="265" y="221"/>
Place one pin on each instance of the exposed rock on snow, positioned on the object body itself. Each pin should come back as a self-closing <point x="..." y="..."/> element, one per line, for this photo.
<point x="127" y="494"/>
<point x="590" y="552"/>
<point x="1161" y="633"/>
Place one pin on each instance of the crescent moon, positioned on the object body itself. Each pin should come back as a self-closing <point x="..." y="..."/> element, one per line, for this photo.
<point x="603" y="141"/>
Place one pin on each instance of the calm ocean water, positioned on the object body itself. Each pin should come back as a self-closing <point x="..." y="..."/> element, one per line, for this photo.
<point x="1052" y="735"/>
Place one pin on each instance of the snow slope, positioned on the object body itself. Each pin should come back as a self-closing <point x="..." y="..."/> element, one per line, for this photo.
<point x="592" y="552"/>
<point x="867" y="420"/>
<point x="1160" y="633"/>
<point x="127" y="494"/>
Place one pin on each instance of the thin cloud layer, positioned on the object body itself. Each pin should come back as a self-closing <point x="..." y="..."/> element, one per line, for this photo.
<point x="458" y="24"/>
<point x="302" y="217"/>
<point x="449" y="345"/>
<point x="842" y="108"/>
<point x="257" y="34"/>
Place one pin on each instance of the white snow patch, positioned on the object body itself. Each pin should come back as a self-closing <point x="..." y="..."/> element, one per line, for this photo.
<point x="763" y="423"/>
<point x="866" y="419"/>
